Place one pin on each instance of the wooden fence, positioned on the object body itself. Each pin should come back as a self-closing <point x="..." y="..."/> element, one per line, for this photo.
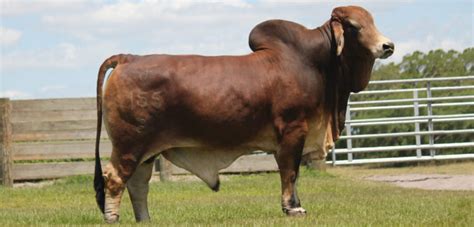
<point x="51" y="138"/>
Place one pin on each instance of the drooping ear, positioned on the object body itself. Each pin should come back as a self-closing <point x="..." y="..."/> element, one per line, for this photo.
<point x="338" y="33"/>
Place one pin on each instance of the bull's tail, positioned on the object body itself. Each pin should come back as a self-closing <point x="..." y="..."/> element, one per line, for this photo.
<point x="99" y="183"/>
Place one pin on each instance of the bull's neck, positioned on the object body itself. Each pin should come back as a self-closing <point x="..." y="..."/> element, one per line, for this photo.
<point x="314" y="46"/>
<point x="293" y="41"/>
<point x="357" y="71"/>
<point x="321" y="46"/>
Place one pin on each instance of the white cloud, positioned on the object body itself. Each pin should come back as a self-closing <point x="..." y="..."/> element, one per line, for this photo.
<point x="52" y="88"/>
<point x="19" y="7"/>
<point x="145" y="14"/>
<point x="186" y="26"/>
<point x="340" y="2"/>
<point x="160" y="25"/>
<point x="191" y="19"/>
<point x="60" y="56"/>
<point x="9" y="36"/>
<point x="133" y="11"/>
<point x="430" y="42"/>
<point x="77" y="35"/>
<point x="14" y="94"/>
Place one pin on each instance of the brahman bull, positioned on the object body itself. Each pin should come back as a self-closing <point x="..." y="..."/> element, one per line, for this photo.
<point x="203" y="112"/>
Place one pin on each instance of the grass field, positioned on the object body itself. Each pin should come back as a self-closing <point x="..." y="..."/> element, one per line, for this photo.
<point x="338" y="197"/>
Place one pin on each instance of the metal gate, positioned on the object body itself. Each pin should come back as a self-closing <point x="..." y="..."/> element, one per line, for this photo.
<point x="422" y="101"/>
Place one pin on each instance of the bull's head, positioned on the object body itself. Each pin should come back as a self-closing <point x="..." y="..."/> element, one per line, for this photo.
<point x="358" y="43"/>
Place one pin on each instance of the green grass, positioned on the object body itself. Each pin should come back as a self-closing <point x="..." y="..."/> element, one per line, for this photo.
<point x="338" y="197"/>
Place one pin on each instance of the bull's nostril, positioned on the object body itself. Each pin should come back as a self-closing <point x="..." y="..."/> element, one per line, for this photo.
<point x="388" y="49"/>
<point x="388" y="46"/>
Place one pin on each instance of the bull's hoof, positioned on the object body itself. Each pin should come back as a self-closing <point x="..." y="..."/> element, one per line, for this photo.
<point x="295" y="211"/>
<point x="111" y="218"/>
<point x="143" y="219"/>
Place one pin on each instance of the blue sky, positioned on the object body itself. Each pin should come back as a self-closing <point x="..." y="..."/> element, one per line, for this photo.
<point x="53" y="48"/>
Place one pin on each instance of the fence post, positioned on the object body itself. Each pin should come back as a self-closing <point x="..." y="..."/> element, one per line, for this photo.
<point x="165" y="169"/>
<point x="333" y="155"/>
<point x="417" y="124"/>
<point x="430" y="119"/>
<point x="348" y="133"/>
<point x="5" y="143"/>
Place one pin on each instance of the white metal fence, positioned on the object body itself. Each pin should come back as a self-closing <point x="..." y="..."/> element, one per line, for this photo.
<point x="422" y="98"/>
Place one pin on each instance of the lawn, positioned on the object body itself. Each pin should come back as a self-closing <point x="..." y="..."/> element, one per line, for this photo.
<point x="338" y="197"/>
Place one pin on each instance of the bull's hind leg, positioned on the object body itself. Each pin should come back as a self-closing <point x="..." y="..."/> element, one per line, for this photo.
<point x="116" y="173"/>
<point x="288" y="159"/>
<point x="138" y="189"/>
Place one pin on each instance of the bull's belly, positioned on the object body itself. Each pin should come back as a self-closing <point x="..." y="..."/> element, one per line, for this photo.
<point x="205" y="160"/>
<point x="265" y="140"/>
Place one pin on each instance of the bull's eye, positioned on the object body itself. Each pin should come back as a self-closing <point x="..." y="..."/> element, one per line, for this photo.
<point x="353" y="26"/>
<point x="352" y="29"/>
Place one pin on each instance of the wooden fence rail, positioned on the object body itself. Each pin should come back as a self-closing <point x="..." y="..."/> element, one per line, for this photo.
<point x="51" y="138"/>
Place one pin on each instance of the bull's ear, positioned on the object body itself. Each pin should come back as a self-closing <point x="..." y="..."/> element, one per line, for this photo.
<point x="338" y="33"/>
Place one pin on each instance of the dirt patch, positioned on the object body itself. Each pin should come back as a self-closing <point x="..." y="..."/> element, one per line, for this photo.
<point x="428" y="181"/>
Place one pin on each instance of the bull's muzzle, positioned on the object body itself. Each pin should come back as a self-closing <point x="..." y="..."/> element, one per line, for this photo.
<point x="388" y="49"/>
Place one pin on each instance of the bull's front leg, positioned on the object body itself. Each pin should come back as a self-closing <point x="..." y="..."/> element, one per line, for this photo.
<point x="292" y="138"/>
